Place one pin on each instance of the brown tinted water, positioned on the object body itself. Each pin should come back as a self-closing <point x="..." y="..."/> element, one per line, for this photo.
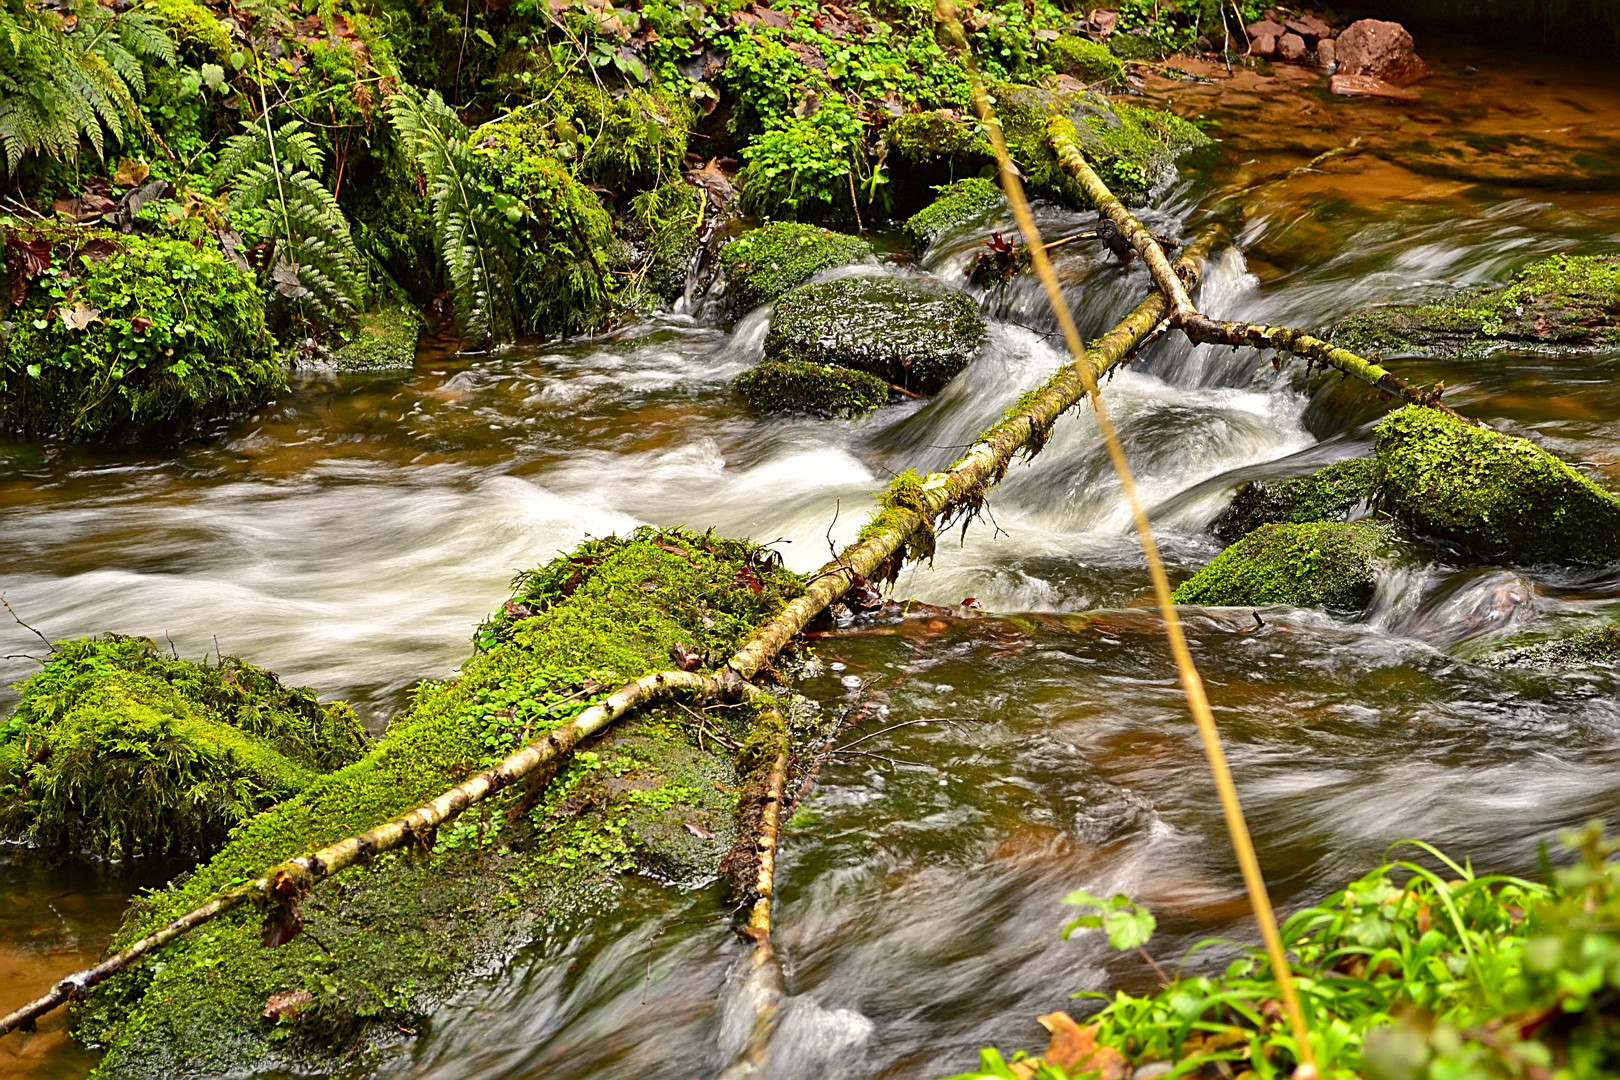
<point x="352" y="534"/>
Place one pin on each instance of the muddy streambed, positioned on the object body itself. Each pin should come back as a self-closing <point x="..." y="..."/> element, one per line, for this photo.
<point x="352" y="535"/>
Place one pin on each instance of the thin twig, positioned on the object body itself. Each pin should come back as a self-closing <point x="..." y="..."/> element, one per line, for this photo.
<point x="25" y="626"/>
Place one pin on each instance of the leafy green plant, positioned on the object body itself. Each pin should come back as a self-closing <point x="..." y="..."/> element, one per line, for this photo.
<point x="73" y="73"/>
<point x="1128" y="925"/>
<point x="272" y="176"/>
<point x="471" y="228"/>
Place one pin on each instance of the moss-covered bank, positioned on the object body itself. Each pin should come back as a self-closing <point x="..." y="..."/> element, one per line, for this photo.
<point x="386" y="944"/>
<point x="1492" y="495"/>
<point x="1328" y="494"/>
<point x="763" y="263"/>
<point x="1562" y="302"/>
<point x="1327" y="564"/>
<point x="119" y="750"/>
<point x="905" y="332"/>
<point x="819" y="389"/>
<point x="128" y="336"/>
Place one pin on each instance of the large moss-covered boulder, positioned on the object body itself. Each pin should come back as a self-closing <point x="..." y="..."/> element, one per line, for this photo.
<point x="762" y="264"/>
<point x="118" y="749"/>
<point x="1086" y="60"/>
<point x="805" y="387"/>
<point x="120" y="337"/>
<point x="1494" y="496"/>
<point x="1563" y="302"/>
<point x="958" y="204"/>
<point x="653" y="802"/>
<point x="1328" y="564"/>
<point x="906" y="332"/>
<point x="1328" y="494"/>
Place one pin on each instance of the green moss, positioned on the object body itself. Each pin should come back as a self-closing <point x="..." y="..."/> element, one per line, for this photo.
<point x="763" y="263"/>
<point x="201" y="37"/>
<point x="387" y="944"/>
<point x="958" y="203"/>
<point x="822" y="389"/>
<point x="1325" y="495"/>
<point x="667" y="218"/>
<point x="119" y="750"/>
<point x="565" y="235"/>
<point x="936" y="135"/>
<point x="905" y="332"/>
<point x="1492" y="495"/>
<point x="175" y="339"/>
<point x="1086" y="60"/>
<point x="1599" y="645"/>
<point x="1563" y="302"/>
<point x="1132" y="147"/>
<point x="1318" y="564"/>
<point x="385" y="338"/>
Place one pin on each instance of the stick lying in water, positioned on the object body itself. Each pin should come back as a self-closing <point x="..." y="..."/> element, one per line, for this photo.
<point x="909" y="514"/>
<point x="1184" y="316"/>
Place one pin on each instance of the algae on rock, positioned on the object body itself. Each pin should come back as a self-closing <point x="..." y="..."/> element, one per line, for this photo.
<point x="384" y="338"/>
<point x="763" y="263"/>
<point x="1328" y="494"/>
<point x="1327" y="564"/>
<point x="1598" y="645"/>
<point x="1562" y="302"/>
<point x="119" y="750"/>
<point x="820" y="389"/>
<point x="906" y="332"/>
<point x="389" y="943"/>
<point x="958" y="204"/>
<point x="1490" y="494"/>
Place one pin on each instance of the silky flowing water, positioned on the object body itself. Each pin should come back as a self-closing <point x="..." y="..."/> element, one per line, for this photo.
<point x="350" y="537"/>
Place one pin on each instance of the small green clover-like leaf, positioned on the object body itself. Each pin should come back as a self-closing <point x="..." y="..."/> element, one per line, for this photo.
<point x="1128" y="925"/>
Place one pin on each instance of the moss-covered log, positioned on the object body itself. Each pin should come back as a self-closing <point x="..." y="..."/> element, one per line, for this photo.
<point x="1492" y="495"/>
<point x="1326" y="564"/>
<point x="1562" y="302"/>
<point x="118" y="750"/>
<point x="906" y="332"/>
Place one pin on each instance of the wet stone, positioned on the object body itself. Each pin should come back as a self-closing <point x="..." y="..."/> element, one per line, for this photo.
<point x="909" y="333"/>
<point x="1330" y="565"/>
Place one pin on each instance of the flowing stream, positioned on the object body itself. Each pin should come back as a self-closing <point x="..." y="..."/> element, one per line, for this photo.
<point x="351" y="536"/>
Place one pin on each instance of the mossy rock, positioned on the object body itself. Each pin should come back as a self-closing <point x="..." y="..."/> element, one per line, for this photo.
<point x="763" y="263"/>
<point x="1562" y="302"/>
<point x="119" y="750"/>
<point x="1132" y="147"/>
<point x="820" y="389"/>
<point x="935" y="135"/>
<point x="667" y="218"/>
<point x="385" y="338"/>
<point x="1326" y="564"/>
<point x="905" y="332"/>
<point x="200" y="36"/>
<point x="1599" y="645"/>
<point x="158" y="339"/>
<point x="1086" y="60"/>
<point x="958" y="203"/>
<point x="387" y="945"/>
<point x="1328" y="494"/>
<point x="1492" y="495"/>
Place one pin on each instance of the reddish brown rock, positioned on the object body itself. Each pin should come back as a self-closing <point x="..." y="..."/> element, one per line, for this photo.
<point x="1264" y="45"/>
<point x="1105" y="21"/>
<point x="1325" y="54"/>
<point x="1367" y="86"/>
<point x="1380" y="49"/>
<point x="1291" y="47"/>
<point x="1309" y="27"/>
<point x="1265" y="28"/>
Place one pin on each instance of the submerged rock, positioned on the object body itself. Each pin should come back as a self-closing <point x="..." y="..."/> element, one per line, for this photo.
<point x="119" y="750"/>
<point x="159" y="338"/>
<point x="1327" y="564"/>
<point x="388" y="944"/>
<point x="1329" y="494"/>
<point x="1490" y="494"/>
<point x="906" y="332"/>
<point x="820" y="389"/>
<point x="386" y="338"/>
<point x="1600" y="645"/>
<point x="958" y="203"/>
<point x="1563" y="301"/>
<point x="762" y="264"/>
